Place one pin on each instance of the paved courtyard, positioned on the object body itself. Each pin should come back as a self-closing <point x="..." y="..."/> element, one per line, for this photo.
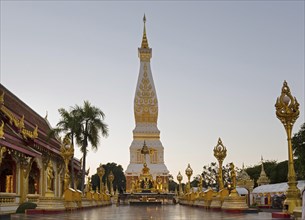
<point x="167" y="212"/>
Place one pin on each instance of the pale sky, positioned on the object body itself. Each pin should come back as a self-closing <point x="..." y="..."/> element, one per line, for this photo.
<point x="218" y="67"/>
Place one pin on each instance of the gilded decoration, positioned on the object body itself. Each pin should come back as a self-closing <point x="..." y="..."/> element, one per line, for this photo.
<point x="2" y="98"/>
<point x="2" y="151"/>
<point x="18" y="123"/>
<point x="25" y="164"/>
<point x="144" y="51"/>
<point x="220" y="152"/>
<point x="287" y="111"/>
<point x="287" y="107"/>
<point x="146" y="104"/>
<point x="144" y="38"/>
<point x="2" y="130"/>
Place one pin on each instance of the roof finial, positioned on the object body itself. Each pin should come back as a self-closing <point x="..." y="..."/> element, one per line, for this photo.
<point x="144" y="38"/>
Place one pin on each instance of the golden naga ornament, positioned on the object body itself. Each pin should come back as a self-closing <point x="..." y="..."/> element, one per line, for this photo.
<point x="18" y="123"/>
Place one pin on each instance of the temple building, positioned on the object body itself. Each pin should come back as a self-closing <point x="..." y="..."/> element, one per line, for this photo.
<point x="146" y="132"/>
<point x="30" y="162"/>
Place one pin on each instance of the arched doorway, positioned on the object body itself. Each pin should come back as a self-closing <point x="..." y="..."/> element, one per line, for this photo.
<point x="8" y="174"/>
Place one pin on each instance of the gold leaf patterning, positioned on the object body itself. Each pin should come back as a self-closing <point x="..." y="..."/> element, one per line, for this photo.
<point x="146" y="103"/>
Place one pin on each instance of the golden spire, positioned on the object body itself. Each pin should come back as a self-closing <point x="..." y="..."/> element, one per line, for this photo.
<point x="144" y="38"/>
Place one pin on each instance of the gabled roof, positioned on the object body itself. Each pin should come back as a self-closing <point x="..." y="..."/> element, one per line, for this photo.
<point x="22" y="112"/>
<point x="30" y="134"/>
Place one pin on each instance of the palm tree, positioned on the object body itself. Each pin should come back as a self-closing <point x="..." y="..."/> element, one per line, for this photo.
<point x="91" y="125"/>
<point x="69" y="125"/>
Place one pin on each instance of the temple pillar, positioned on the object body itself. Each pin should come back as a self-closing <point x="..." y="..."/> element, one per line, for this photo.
<point x="45" y="161"/>
<point x="24" y="169"/>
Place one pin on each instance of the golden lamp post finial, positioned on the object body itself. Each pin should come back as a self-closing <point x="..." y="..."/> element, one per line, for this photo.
<point x="179" y="178"/>
<point x="189" y="173"/>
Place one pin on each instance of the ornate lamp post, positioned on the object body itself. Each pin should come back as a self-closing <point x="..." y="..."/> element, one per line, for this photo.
<point x="189" y="173"/>
<point x="179" y="178"/>
<point x="111" y="178"/>
<point x="66" y="151"/>
<point x="220" y="152"/>
<point x="287" y="111"/>
<point x="100" y="172"/>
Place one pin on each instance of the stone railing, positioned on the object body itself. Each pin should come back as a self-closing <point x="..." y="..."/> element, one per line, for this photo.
<point x="33" y="197"/>
<point x="8" y="198"/>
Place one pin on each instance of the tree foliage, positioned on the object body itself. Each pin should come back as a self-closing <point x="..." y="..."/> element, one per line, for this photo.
<point x="84" y="123"/>
<point x="277" y="172"/>
<point x="68" y="125"/>
<point x="210" y="175"/>
<point x="91" y="122"/>
<point x="298" y="145"/>
<point x="119" y="181"/>
<point x="172" y="185"/>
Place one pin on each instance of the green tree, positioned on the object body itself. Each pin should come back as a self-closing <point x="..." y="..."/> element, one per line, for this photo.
<point x="91" y="124"/>
<point x="298" y="145"/>
<point x="195" y="181"/>
<point x="279" y="173"/>
<point x="119" y="181"/>
<point x="210" y="175"/>
<point x="172" y="185"/>
<point x="69" y="126"/>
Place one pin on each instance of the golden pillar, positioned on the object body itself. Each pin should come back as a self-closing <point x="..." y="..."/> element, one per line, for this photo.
<point x="179" y="178"/>
<point x="189" y="173"/>
<point x="287" y="111"/>
<point x="220" y="152"/>
<point x="66" y="151"/>
<point x="100" y="172"/>
<point x="110" y="179"/>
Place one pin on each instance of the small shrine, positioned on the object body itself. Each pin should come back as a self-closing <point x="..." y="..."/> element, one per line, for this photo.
<point x="145" y="183"/>
<point x="146" y="179"/>
<point x="263" y="178"/>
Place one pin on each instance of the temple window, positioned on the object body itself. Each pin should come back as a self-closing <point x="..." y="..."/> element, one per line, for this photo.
<point x="140" y="157"/>
<point x="153" y="156"/>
